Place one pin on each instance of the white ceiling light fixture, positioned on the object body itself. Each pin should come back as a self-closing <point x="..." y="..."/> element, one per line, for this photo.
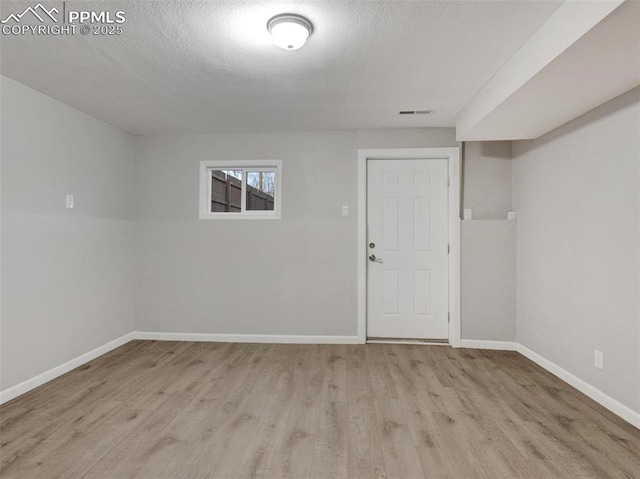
<point x="289" y="31"/>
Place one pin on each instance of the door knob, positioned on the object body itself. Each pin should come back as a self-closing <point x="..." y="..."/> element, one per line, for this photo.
<point x="372" y="257"/>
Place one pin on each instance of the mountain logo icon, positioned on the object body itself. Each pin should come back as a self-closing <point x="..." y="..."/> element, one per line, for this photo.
<point x="39" y="11"/>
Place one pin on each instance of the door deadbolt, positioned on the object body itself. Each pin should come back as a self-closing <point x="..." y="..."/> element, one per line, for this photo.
<point x="372" y="245"/>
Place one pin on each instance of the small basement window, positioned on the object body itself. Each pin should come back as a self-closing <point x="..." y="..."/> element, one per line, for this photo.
<point x="240" y="189"/>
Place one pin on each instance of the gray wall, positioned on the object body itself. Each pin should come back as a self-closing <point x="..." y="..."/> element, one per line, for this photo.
<point x="74" y="279"/>
<point x="66" y="274"/>
<point x="576" y="193"/>
<point x="488" y="280"/>
<point x="406" y="138"/>
<point x="295" y="276"/>
<point x="304" y="262"/>
<point x="487" y="248"/>
<point x="487" y="179"/>
<point x="488" y="244"/>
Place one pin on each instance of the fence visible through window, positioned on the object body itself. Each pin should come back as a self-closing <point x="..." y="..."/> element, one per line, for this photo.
<point x="226" y="191"/>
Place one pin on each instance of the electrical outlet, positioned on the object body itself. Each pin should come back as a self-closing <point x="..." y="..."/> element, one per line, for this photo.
<point x="70" y="201"/>
<point x="598" y="359"/>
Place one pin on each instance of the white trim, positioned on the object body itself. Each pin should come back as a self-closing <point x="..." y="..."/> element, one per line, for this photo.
<point x="495" y="345"/>
<point x="454" y="242"/>
<point x="260" y="165"/>
<point x="594" y="393"/>
<point x="616" y="407"/>
<point x="40" y="379"/>
<point x="361" y="291"/>
<point x="452" y="155"/>
<point x="246" y="338"/>
<point x="405" y="341"/>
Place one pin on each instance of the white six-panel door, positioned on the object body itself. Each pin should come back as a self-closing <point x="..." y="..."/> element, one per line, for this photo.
<point x="407" y="249"/>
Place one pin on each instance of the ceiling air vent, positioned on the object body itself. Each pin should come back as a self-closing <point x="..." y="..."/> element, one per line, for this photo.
<point x="415" y="112"/>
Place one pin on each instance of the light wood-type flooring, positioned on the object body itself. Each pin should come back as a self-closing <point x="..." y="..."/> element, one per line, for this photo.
<point x="214" y="410"/>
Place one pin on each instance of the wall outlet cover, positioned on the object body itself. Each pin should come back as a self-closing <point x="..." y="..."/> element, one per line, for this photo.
<point x="598" y="359"/>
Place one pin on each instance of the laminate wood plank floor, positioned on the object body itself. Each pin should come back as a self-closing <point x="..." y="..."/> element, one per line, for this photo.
<point x="218" y="410"/>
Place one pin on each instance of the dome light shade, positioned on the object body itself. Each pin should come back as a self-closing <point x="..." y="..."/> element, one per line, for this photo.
<point x="289" y="31"/>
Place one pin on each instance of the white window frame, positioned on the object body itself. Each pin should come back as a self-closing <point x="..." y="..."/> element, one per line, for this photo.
<point x="207" y="166"/>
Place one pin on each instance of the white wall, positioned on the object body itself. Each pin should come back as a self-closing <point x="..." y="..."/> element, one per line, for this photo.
<point x="576" y="194"/>
<point x="66" y="274"/>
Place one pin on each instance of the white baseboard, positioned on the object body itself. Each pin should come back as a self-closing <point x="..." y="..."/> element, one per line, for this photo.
<point x="406" y="341"/>
<point x="40" y="379"/>
<point x="482" y="344"/>
<point x="246" y="338"/>
<point x="594" y="393"/>
<point x="616" y="407"/>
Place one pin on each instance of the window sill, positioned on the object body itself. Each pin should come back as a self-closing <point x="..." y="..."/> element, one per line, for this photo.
<point x="239" y="216"/>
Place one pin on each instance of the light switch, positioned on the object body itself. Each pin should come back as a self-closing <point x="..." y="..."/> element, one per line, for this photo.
<point x="345" y="211"/>
<point x="467" y="214"/>
<point x="69" y="201"/>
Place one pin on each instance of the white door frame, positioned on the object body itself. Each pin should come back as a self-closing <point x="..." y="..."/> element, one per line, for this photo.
<point x="452" y="155"/>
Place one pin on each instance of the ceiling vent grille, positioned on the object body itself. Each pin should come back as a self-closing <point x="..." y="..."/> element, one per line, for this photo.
<point x="415" y="112"/>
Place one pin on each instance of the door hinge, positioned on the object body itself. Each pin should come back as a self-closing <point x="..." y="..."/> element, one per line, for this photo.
<point x="448" y="249"/>
<point x="448" y="181"/>
<point x="448" y="317"/>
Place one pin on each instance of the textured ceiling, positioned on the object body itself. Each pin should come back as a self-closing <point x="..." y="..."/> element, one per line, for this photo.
<point x="209" y="66"/>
